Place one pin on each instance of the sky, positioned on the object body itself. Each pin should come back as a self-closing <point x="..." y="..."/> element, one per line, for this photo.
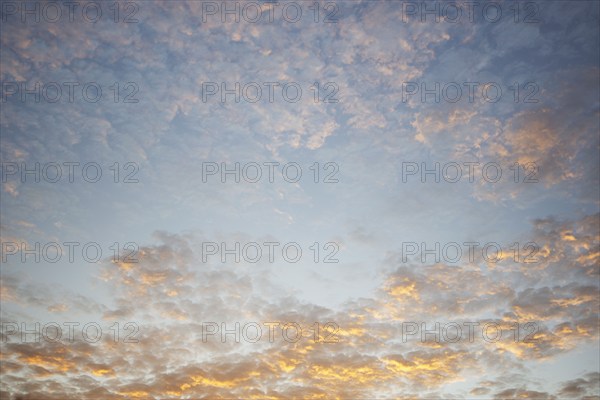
<point x="299" y="200"/>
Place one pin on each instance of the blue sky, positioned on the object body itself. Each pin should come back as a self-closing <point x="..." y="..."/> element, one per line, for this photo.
<point x="164" y="55"/>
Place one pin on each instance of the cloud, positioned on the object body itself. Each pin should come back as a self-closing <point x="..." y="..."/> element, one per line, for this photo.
<point x="172" y="297"/>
